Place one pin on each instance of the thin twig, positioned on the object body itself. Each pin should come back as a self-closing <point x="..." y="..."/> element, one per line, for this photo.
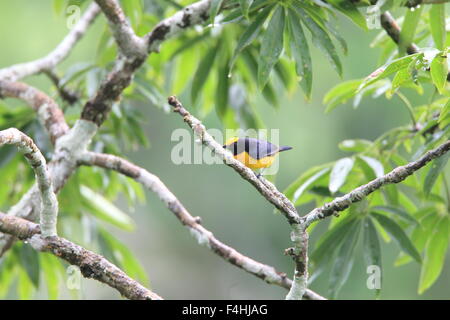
<point x="395" y="176"/>
<point x="21" y="70"/>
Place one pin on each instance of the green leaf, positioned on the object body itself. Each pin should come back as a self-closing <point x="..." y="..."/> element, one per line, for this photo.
<point x="321" y="39"/>
<point x="371" y="245"/>
<point x="103" y="209"/>
<point x="245" y="5"/>
<point x="223" y="85"/>
<point x="390" y="68"/>
<point x="202" y="73"/>
<point x="444" y="112"/>
<point x="439" y="70"/>
<point x="344" y="260"/>
<point x="351" y="11"/>
<point x="409" y="27"/>
<point x="339" y="173"/>
<point x="374" y="164"/>
<point x="372" y="249"/>
<point x="30" y="262"/>
<point x="437" y="25"/>
<point x="300" y="52"/>
<point x="271" y="46"/>
<point x="397" y="211"/>
<point x="250" y="33"/>
<point x="124" y="257"/>
<point x="214" y="9"/>
<point x="340" y="94"/>
<point x="49" y="265"/>
<point x="436" y="167"/>
<point x="308" y="183"/>
<point x="397" y="233"/>
<point x="434" y="255"/>
<point x="354" y="145"/>
<point x="294" y="186"/>
<point x="328" y="243"/>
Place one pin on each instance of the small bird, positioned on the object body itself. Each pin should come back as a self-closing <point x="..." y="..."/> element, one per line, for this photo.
<point x="254" y="153"/>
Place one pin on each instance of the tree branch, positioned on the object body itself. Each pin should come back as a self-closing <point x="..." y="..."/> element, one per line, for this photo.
<point x="393" y="30"/>
<point x="21" y="70"/>
<point x="129" y="43"/>
<point x="94" y="113"/>
<point x="91" y="264"/>
<point x="299" y="236"/>
<point x="67" y="95"/>
<point x="196" y="13"/>
<point x="49" y="210"/>
<point x="49" y="114"/>
<point x="395" y="176"/>
<point x="201" y="234"/>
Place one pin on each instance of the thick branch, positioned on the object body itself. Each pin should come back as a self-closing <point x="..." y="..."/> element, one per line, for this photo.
<point x="93" y="115"/>
<point x="129" y="43"/>
<point x="201" y="234"/>
<point x="395" y="176"/>
<point x="91" y="264"/>
<point x="49" y="210"/>
<point x="196" y="13"/>
<point x="18" y="71"/>
<point x="49" y="114"/>
<point x="99" y="106"/>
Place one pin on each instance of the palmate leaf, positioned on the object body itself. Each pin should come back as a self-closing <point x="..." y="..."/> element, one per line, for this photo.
<point x="351" y="11"/>
<point x="328" y="243"/>
<point x="344" y="260"/>
<point x="434" y="254"/>
<point x="396" y="211"/>
<point x="300" y="52"/>
<point x="339" y="173"/>
<point x="320" y="38"/>
<point x="397" y="233"/>
<point x="250" y="33"/>
<point x="201" y="75"/>
<point x="308" y="184"/>
<point x="271" y="46"/>
<point x="371" y="245"/>
<point x="375" y="165"/>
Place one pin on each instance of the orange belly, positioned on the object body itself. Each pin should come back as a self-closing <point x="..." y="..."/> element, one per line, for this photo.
<point x="254" y="163"/>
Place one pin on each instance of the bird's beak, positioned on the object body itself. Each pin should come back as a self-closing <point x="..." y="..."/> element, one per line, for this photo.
<point x="284" y="148"/>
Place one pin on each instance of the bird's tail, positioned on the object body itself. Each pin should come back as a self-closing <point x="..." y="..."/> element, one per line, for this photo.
<point x="284" y="148"/>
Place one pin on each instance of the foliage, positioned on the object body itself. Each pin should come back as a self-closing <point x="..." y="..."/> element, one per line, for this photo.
<point x="253" y="47"/>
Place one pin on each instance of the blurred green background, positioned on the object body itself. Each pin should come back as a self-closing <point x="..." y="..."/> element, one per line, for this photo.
<point x="231" y="208"/>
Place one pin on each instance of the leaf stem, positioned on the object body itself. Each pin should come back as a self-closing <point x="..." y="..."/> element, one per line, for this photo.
<point x="408" y="106"/>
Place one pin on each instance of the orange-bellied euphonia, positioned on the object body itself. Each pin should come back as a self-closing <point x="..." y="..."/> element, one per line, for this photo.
<point x="254" y="153"/>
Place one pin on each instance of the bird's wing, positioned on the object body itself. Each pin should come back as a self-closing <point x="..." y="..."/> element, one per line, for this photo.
<point x="259" y="149"/>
